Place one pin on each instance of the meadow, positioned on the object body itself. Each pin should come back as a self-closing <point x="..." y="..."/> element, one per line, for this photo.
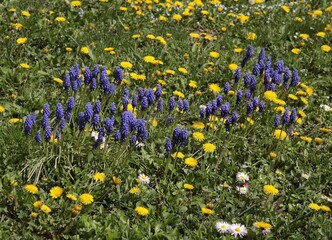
<point x="153" y="119"/>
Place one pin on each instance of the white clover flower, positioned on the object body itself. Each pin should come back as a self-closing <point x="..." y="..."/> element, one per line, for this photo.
<point x="242" y="177"/>
<point x="325" y="107"/>
<point x="238" y="229"/>
<point x="143" y="178"/>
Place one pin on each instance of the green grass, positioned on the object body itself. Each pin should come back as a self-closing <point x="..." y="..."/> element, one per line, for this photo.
<point x="301" y="169"/>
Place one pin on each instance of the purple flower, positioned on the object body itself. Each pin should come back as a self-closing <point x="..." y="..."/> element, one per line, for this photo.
<point x="238" y="98"/>
<point x="149" y="93"/>
<point x="184" y="137"/>
<point x="261" y="106"/>
<point x="48" y="133"/>
<point x="93" y="84"/>
<point x="250" y="108"/>
<point x="235" y="117"/>
<point x="118" y="75"/>
<point x="66" y="82"/>
<point x="185" y="105"/>
<point x="125" y="102"/>
<point x="140" y="93"/>
<point x="261" y="56"/>
<point x="176" y="138"/>
<point x="134" y="101"/>
<point x="255" y="102"/>
<point x="145" y="103"/>
<point x="253" y="84"/>
<point x="74" y="85"/>
<point x="247" y="94"/>
<point x="59" y="111"/>
<point x="117" y="135"/>
<point x="256" y="70"/>
<point x="45" y="121"/>
<point x="28" y="124"/>
<point x="74" y="72"/>
<point x="95" y="71"/>
<point x="160" y="105"/>
<point x="227" y="87"/>
<point x="286" y="117"/>
<point x="225" y="109"/>
<point x="38" y="137"/>
<point x="276" y="121"/>
<point x="293" y="115"/>
<point x="109" y="124"/>
<point x="267" y="77"/>
<point x="280" y="66"/>
<point x="71" y="103"/>
<point x="168" y="145"/>
<point x="169" y="119"/>
<point x="88" y="112"/>
<point x="202" y="112"/>
<point x="46" y="110"/>
<point x="219" y="100"/>
<point x="228" y="124"/>
<point x="180" y="105"/>
<point x="142" y="132"/>
<point x="208" y="110"/>
<point x="133" y="140"/>
<point x="247" y="80"/>
<point x="268" y="63"/>
<point x="112" y="109"/>
<point x="97" y="107"/>
<point x="237" y="75"/>
<point x="62" y="124"/>
<point x="172" y="104"/>
<point x="81" y="121"/>
<point x="95" y="120"/>
<point x="87" y="76"/>
<point x="295" y="79"/>
<point x="159" y="91"/>
<point x="57" y="135"/>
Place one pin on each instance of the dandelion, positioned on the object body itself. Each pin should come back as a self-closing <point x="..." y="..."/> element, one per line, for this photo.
<point x="198" y="136"/>
<point x="270" y="190"/>
<point x="86" y="198"/>
<point x="273" y="155"/>
<point x="179" y="155"/>
<point x="85" y="50"/>
<point x="21" y="41"/>
<point x="142" y="211"/>
<point x="296" y="50"/>
<point x="71" y="197"/>
<point x="126" y="65"/>
<point x="209" y="147"/>
<point x="314" y="206"/>
<point x="232" y="66"/>
<point x="207" y="211"/>
<point x="116" y="180"/>
<point x="325" y="208"/>
<point x="270" y="95"/>
<point x="60" y="19"/>
<point x="34" y="214"/>
<point x="188" y="186"/>
<point x="56" y="192"/>
<point x="264" y="225"/>
<point x="134" y="190"/>
<point x="251" y="36"/>
<point x="38" y="204"/>
<point x="191" y="162"/>
<point x="31" y="188"/>
<point x="99" y="176"/>
<point x="222" y="227"/>
<point x="238" y="230"/>
<point x="214" y="54"/>
<point x="76" y="3"/>
<point x="25" y="65"/>
<point x="26" y="13"/>
<point x="45" y="208"/>
<point x="183" y="70"/>
<point x="280" y="134"/>
<point x="214" y="87"/>
<point x="177" y="17"/>
<point x="143" y="179"/>
<point x="326" y="48"/>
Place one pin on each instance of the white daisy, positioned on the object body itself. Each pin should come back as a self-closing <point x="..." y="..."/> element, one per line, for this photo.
<point x="144" y="179"/>
<point x="238" y="229"/>
<point x="242" y="177"/>
<point x="222" y="227"/>
<point x="243" y="190"/>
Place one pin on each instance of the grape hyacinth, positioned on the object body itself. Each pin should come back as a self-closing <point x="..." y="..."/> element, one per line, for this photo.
<point x="118" y="75"/>
<point x="59" y="112"/>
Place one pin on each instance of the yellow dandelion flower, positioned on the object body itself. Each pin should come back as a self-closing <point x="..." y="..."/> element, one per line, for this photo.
<point x="325" y="208"/>
<point x="326" y="48"/>
<point x="207" y="211"/>
<point x="178" y="155"/>
<point x="270" y="95"/>
<point x="318" y="140"/>
<point x="296" y="50"/>
<point x="76" y="3"/>
<point x="209" y="147"/>
<point x="188" y="186"/>
<point x="214" y="54"/>
<point x="56" y="192"/>
<point x="251" y="36"/>
<point x="321" y="34"/>
<point x="45" y="208"/>
<point x="279" y="102"/>
<point x="292" y="96"/>
<point x="177" y="17"/>
<point x="309" y="91"/>
<point x="280" y="134"/>
<point x="17" y="26"/>
<point x="68" y="49"/>
<point x="238" y="50"/>
<point x="60" y="19"/>
<point x="264" y="225"/>
<point x="126" y="65"/>
<point x="198" y="125"/>
<point x="86" y="198"/>
<point x="194" y="35"/>
<point x="26" y="13"/>
<point x="99" y="176"/>
<point x="306" y="139"/>
<point x="273" y="155"/>
<point x="85" y="50"/>
<point x="285" y="8"/>
<point x="183" y="70"/>
<point x="270" y="190"/>
<point x="191" y="162"/>
<point x="178" y="93"/>
<point x="325" y="130"/>
<point x="232" y="66"/>
<point x="71" y="197"/>
<point x="21" y="41"/>
<point x="198" y="136"/>
<point x="116" y="180"/>
<point x="31" y="188"/>
<point x="134" y="190"/>
<point x="38" y="204"/>
<point x="142" y="211"/>
<point x="25" y="65"/>
<point x="192" y="84"/>
<point x="314" y="206"/>
<point x="214" y="87"/>
<point x="34" y="214"/>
